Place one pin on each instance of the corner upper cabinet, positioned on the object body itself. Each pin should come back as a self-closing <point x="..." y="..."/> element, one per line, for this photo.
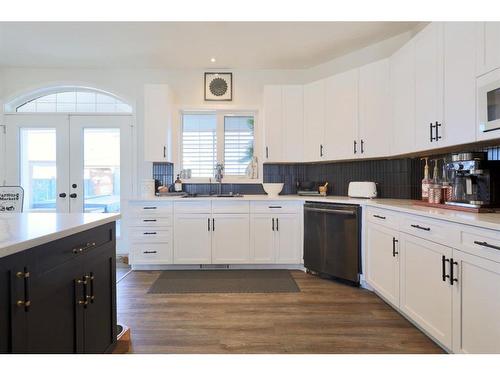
<point x="488" y="53"/>
<point x="429" y="78"/>
<point x="374" y="110"/>
<point x="402" y="85"/>
<point x="157" y="123"/>
<point x="314" y="120"/>
<point x="273" y="123"/>
<point x="341" y="119"/>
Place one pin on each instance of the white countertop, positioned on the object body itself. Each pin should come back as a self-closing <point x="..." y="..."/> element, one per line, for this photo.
<point x="23" y="231"/>
<point x="483" y="220"/>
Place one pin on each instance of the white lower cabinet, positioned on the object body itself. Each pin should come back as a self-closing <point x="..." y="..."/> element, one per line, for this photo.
<point x="476" y="304"/>
<point x="426" y="293"/>
<point x="276" y="239"/>
<point x="382" y="261"/>
<point x="230" y="238"/>
<point x="192" y="239"/>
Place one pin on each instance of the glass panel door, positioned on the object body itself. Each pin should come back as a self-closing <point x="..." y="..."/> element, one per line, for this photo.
<point x="37" y="159"/>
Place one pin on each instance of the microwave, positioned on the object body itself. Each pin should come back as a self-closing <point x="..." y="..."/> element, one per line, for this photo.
<point x="488" y="103"/>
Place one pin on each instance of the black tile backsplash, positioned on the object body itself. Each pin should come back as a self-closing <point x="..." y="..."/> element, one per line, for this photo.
<point x="395" y="178"/>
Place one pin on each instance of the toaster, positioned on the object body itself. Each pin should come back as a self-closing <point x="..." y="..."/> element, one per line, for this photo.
<point x="362" y="189"/>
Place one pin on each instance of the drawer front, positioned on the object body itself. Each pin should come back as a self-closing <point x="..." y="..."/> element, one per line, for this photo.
<point x="279" y="207"/>
<point x="432" y="230"/>
<point x="231" y="206"/>
<point x="151" y="235"/>
<point x="151" y="221"/>
<point x="481" y="242"/>
<point x="157" y="253"/>
<point x="193" y="207"/>
<point x="150" y="208"/>
<point x="386" y="218"/>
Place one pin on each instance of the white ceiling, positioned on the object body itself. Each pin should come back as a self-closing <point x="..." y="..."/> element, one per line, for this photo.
<point x="177" y="45"/>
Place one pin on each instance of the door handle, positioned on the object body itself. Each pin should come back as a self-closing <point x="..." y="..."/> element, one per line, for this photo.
<point x="486" y="244"/>
<point x="437" y="126"/>
<point x="452" y="274"/>
<point x="164" y="152"/>
<point x="431" y="126"/>
<point x="273" y="224"/>
<point x="394" y="242"/>
<point x="321" y="150"/>
<point x="62" y="195"/>
<point x="26" y="302"/>
<point x="355" y="147"/>
<point x="277" y="224"/>
<point x="83" y="281"/>
<point x="362" y="147"/>
<point x="443" y="268"/>
<point x="213" y="225"/>
<point x="73" y="195"/>
<point x="208" y="224"/>
<point x="92" y="296"/>
<point x="267" y="152"/>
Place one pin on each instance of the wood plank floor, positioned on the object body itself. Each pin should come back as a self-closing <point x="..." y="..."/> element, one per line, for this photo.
<point x="325" y="317"/>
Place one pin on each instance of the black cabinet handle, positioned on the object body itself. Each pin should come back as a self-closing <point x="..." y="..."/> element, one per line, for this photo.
<point x="274" y="207"/>
<point x="362" y="147"/>
<point x="164" y="152"/>
<point x="355" y="147"/>
<point x="149" y="208"/>
<point x="149" y="233"/>
<point x="394" y="242"/>
<point x="321" y="150"/>
<point x="73" y="195"/>
<point x="273" y="224"/>
<point x="149" y="252"/>
<point x="379" y="217"/>
<point x="26" y="302"/>
<point x="267" y="152"/>
<point x="62" y="195"/>
<point x="208" y="224"/>
<point x="419" y="227"/>
<point x="92" y="296"/>
<point x="83" y="282"/>
<point x="431" y="127"/>
<point x="149" y="220"/>
<point x="437" y="126"/>
<point x="213" y="224"/>
<point x="278" y="224"/>
<point x="443" y="268"/>
<point x="486" y="244"/>
<point x="453" y="279"/>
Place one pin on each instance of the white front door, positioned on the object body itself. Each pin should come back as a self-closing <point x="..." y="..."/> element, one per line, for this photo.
<point x="37" y="158"/>
<point x="68" y="163"/>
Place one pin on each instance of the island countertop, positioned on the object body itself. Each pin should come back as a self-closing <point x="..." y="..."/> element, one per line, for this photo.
<point x="21" y="231"/>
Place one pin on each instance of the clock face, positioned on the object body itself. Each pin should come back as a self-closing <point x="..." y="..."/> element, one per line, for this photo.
<point x="218" y="86"/>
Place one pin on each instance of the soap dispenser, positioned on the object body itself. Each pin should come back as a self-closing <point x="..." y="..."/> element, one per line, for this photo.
<point x="426" y="182"/>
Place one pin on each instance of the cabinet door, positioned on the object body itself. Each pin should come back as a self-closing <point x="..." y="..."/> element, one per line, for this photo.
<point x="293" y="123"/>
<point x="382" y="261"/>
<point x="459" y="84"/>
<point x="374" y="110"/>
<point x="424" y="296"/>
<point x="273" y="123"/>
<point x="402" y="78"/>
<point x="100" y="312"/>
<point x="230" y="238"/>
<point x="262" y="239"/>
<point x="192" y="239"/>
<point x="428" y="84"/>
<point x="288" y="245"/>
<point x="488" y="40"/>
<point x="476" y="305"/>
<point x="314" y="120"/>
<point x="53" y="323"/>
<point x="157" y="123"/>
<point x="341" y="121"/>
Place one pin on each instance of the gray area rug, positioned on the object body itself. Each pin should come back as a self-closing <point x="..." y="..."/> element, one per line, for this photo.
<point x="225" y="281"/>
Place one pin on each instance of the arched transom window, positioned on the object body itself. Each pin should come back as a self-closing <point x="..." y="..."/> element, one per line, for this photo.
<point x="78" y="100"/>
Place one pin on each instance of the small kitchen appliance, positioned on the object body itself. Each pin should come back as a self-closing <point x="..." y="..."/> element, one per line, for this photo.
<point x="362" y="189"/>
<point x="475" y="180"/>
<point x="308" y="188"/>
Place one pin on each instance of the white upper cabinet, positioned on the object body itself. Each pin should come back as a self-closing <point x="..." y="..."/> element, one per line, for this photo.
<point x="293" y="123"/>
<point x="488" y="42"/>
<point x="429" y="86"/>
<point x="283" y="122"/>
<point x="341" y="120"/>
<point x="157" y="123"/>
<point x="402" y="86"/>
<point x="374" y="110"/>
<point x="459" y="84"/>
<point x="273" y="123"/>
<point x="314" y="120"/>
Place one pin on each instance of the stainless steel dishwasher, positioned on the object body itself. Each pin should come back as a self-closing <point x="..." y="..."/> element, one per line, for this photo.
<point x="332" y="240"/>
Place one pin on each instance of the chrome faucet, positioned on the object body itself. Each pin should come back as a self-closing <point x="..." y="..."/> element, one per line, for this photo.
<point x="219" y="169"/>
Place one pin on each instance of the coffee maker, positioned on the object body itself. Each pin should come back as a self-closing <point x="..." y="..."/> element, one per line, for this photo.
<point x="475" y="180"/>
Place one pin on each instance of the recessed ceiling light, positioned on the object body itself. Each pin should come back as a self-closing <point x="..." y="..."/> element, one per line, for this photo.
<point x="212" y="59"/>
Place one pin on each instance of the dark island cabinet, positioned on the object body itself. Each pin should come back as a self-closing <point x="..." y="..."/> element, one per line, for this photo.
<point x="60" y="297"/>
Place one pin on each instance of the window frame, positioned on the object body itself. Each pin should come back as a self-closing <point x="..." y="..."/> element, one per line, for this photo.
<point x="220" y="115"/>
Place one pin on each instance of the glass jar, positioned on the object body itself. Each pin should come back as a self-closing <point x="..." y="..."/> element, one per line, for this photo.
<point x="435" y="194"/>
